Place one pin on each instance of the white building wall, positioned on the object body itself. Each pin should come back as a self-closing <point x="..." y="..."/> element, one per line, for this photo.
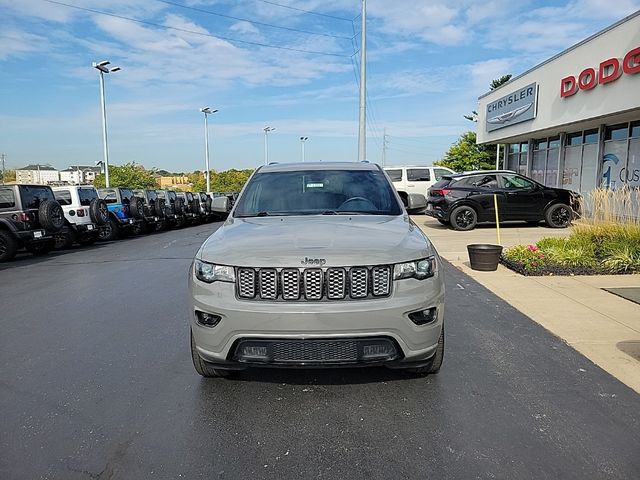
<point x="554" y="111"/>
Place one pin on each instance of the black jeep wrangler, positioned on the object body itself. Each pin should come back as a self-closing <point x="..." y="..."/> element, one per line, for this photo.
<point x="191" y="207"/>
<point x="174" y="207"/>
<point x="153" y="209"/>
<point x="29" y="217"/>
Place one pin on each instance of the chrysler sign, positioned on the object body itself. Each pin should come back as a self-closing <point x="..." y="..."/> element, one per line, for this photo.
<point x="518" y="106"/>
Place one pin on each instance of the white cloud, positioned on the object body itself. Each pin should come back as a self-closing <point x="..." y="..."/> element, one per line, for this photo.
<point x="16" y="43"/>
<point x="244" y="27"/>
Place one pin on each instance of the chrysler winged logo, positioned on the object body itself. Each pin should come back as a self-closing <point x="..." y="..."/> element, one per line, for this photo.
<point x="508" y="116"/>
<point x="313" y="261"/>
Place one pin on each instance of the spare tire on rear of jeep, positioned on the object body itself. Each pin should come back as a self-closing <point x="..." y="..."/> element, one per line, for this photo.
<point x="98" y="211"/>
<point x="160" y="209"/>
<point x="136" y="209"/>
<point x="51" y="215"/>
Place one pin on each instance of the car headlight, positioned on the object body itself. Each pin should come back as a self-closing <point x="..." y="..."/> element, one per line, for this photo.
<point x="209" y="273"/>
<point x="419" y="269"/>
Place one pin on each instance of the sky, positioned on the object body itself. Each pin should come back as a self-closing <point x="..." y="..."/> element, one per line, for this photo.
<point x="289" y="64"/>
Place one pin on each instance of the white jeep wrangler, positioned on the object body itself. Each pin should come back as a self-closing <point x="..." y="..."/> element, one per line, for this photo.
<point x="84" y="213"/>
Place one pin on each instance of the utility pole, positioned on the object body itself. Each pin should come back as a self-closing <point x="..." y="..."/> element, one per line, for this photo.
<point x="384" y="148"/>
<point x="4" y="173"/>
<point x="362" y="132"/>
<point x="39" y="177"/>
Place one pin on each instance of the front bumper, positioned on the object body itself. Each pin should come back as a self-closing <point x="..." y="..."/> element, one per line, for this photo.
<point x="361" y="321"/>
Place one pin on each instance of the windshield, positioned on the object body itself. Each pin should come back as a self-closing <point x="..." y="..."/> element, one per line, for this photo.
<point x="329" y="192"/>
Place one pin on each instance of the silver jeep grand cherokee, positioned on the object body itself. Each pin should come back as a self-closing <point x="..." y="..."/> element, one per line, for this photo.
<point x="317" y="265"/>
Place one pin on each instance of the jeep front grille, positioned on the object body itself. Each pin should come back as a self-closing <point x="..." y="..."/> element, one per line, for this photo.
<point x="313" y="284"/>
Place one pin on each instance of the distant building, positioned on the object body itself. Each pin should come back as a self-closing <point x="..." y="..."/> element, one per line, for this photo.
<point x="79" y="174"/>
<point x="37" y="174"/>
<point x="181" y="182"/>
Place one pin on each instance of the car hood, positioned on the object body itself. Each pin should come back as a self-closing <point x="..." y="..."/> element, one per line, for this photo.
<point x="338" y="240"/>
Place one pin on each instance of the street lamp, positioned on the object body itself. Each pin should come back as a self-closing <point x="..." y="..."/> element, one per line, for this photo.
<point x="102" y="68"/>
<point x="303" y="140"/>
<point x="207" y="111"/>
<point x="266" y="143"/>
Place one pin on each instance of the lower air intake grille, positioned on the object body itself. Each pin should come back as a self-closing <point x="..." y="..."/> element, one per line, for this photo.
<point x="315" y="351"/>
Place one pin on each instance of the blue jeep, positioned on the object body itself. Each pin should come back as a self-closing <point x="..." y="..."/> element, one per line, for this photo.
<point x="125" y="213"/>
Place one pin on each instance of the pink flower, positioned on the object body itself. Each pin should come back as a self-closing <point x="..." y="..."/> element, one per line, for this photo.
<point x="532" y="248"/>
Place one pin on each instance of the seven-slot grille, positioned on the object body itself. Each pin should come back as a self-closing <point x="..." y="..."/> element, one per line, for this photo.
<point x="313" y="284"/>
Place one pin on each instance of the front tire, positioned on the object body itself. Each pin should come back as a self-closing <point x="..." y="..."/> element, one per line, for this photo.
<point x="558" y="215"/>
<point x="202" y="367"/>
<point x="463" y="218"/>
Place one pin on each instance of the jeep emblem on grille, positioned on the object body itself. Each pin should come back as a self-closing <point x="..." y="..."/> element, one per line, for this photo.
<point x="313" y="261"/>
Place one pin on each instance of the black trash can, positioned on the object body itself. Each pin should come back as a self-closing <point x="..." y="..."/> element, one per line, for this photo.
<point x="484" y="256"/>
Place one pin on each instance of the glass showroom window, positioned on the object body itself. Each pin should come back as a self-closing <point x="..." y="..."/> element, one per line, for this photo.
<point x="518" y="157"/>
<point x="580" y="161"/>
<point x="546" y="156"/>
<point x="614" y="160"/>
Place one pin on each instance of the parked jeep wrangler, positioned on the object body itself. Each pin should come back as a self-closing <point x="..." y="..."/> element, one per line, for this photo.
<point x="173" y="208"/>
<point x="191" y="208"/>
<point x="125" y="211"/>
<point x="205" y="207"/>
<point x="153" y="210"/>
<point x="84" y="213"/>
<point x="29" y="217"/>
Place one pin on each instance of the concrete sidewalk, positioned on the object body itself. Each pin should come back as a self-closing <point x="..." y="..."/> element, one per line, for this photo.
<point x="603" y="327"/>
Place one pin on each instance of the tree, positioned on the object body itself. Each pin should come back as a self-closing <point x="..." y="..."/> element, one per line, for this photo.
<point x="499" y="81"/>
<point x="127" y="175"/>
<point x="9" y="176"/>
<point x="495" y="83"/>
<point x="465" y="155"/>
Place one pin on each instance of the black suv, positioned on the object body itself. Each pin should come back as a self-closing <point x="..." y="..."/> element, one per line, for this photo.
<point x="153" y="210"/>
<point x="125" y="211"/>
<point x="464" y="200"/>
<point x="29" y="216"/>
<point x="174" y="209"/>
<point x="191" y="206"/>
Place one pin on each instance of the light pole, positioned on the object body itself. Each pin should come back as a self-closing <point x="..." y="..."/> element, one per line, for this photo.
<point x="207" y="111"/>
<point x="266" y="143"/>
<point x="102" y="68"/>
<point x="303" y="140"/>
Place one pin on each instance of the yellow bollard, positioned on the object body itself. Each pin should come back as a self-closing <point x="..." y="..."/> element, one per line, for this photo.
<point x="495" y="204"/>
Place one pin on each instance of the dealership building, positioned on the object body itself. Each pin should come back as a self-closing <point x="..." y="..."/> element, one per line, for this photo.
<point x="574" y="120"/>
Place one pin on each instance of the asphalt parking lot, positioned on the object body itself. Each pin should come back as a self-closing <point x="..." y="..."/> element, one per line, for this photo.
<point x="96" y="382"/>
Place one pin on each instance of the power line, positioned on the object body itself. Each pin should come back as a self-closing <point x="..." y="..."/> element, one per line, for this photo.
<point x="254" y="22"/>
<point x="307" y="11"/>
<point x="193" y="32"/>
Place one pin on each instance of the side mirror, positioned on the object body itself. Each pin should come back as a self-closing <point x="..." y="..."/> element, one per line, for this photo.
<point x="220" y="205"/>
<point x="416" y="201"/>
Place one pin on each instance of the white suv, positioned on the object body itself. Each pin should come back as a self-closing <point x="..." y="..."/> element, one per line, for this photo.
<point x="84" y="213"/>
<point x="415" y="179"/>
<point x="318" y="264"/>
